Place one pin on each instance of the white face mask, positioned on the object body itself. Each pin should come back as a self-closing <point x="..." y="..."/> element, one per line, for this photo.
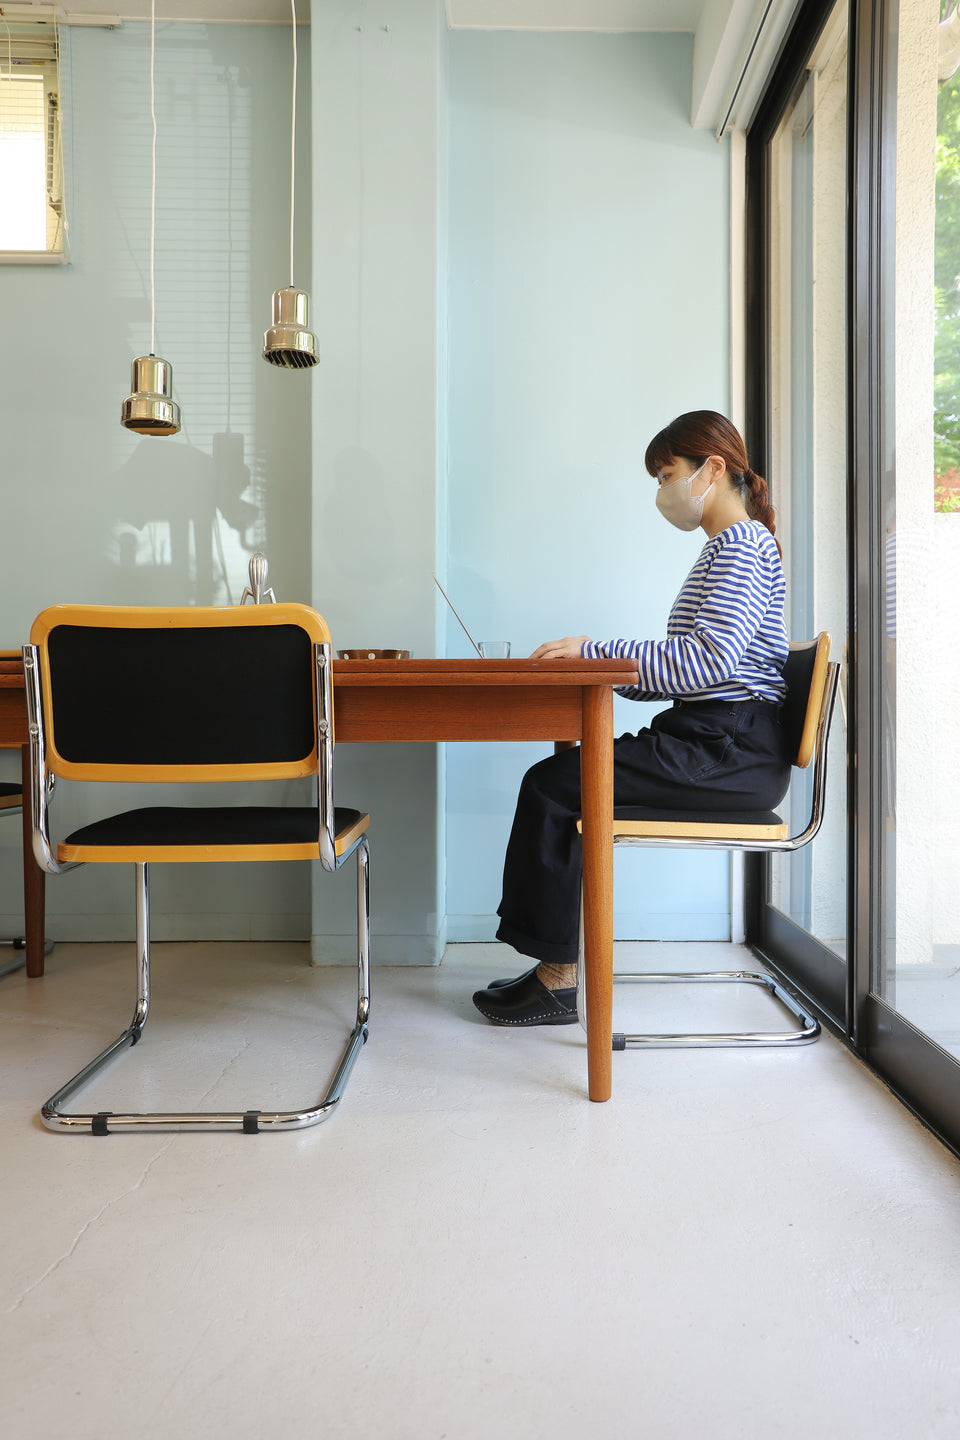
<point x="679" y="505"/>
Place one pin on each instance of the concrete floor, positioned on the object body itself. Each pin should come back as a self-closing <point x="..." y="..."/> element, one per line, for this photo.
<point x="740" y="1244"/>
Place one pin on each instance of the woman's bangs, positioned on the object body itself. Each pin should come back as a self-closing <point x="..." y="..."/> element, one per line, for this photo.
<point x="659" y="454"/>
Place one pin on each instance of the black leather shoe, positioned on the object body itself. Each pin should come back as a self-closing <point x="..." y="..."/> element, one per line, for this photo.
<point x="513" y="980"/>
<point x="527" y="1001"/>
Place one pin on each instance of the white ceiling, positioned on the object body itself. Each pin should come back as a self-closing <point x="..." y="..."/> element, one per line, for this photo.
<point x="574" y="14"/>
<point x="736" y="40"/>
<point x="461" y="14"/>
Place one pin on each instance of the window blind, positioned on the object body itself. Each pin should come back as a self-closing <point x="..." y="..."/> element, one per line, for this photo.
<point x="31" y="155"/>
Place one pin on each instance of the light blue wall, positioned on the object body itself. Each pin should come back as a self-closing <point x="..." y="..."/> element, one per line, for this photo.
<point x="377" y="139"/>
<point x="587" y="305"/>
<point x="91" y="512"/>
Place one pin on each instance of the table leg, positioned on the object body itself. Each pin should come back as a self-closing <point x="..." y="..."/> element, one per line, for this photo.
<point x="34" y="880"/>
<point x="596" y="781"/>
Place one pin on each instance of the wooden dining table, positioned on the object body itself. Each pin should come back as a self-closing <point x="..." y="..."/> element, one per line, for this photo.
<point x="14" y="735"/>
<point x="565" y="701"/>
<point x="397" y="701"/>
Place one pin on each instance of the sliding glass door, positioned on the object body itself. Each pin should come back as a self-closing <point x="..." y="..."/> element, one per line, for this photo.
<point x="854" y="394"/>
<point x="918" y="972"/>
<point x="799" y="159"/>
<point x="911" y="995"/>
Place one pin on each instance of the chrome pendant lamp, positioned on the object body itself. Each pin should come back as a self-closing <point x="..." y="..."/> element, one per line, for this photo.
<point x="289" y="342"/>
<point x="151" y="409"/>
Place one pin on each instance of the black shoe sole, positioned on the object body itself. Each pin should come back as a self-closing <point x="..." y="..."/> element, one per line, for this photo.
<point x="530" y="1020"/>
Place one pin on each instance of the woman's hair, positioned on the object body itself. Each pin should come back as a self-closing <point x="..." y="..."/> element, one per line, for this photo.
<point x="701" y="433"/>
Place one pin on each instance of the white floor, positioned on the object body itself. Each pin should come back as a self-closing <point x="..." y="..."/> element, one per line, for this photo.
<point x="754" y="1245"/>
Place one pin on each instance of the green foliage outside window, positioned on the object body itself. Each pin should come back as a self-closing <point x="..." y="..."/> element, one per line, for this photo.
<point x="946" y="437"/>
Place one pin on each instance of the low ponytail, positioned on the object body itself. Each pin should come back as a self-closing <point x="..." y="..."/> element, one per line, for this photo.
<point x="757" y="500"/>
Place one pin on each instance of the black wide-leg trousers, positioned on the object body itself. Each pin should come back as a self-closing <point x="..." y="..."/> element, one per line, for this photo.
<point x="717" y="756"/>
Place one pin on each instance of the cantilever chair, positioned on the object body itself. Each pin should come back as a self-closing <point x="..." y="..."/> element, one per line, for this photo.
<point x="191" y="695"/>
<point x="811" y="679"/>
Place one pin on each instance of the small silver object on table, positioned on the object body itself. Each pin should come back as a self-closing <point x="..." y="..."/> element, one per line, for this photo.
<point x="257" y="589"/>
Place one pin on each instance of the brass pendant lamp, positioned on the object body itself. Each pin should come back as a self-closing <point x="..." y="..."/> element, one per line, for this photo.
<point x="289" y="342"/>
<point x="151" y="409"/>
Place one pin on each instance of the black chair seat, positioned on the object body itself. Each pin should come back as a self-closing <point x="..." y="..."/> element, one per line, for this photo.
<point x="203" y="825"/>
<point x="711" y="817"/>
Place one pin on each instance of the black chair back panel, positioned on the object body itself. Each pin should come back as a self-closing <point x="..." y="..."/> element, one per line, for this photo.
<point x="213" y="695"/>
<point x="798" y="674"/>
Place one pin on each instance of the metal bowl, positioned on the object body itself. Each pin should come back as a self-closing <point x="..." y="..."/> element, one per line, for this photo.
<point x="363" y="653"/>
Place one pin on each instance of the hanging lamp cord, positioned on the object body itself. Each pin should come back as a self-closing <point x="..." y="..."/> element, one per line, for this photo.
<point x="293" y="132"/>
<point x="153" y="181"/>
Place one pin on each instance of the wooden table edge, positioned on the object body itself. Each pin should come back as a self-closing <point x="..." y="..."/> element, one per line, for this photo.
<point x="570" y="673"/>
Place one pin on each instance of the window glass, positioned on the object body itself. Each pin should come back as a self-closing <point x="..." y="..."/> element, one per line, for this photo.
<point x="946" y="428"/>
<point x="918" y="967"/>
<point x="808" y="438"/>
<point x="31" y="148"/>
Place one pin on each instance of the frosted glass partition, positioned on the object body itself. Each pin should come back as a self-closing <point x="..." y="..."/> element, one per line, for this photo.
<point x="100" y="515"/>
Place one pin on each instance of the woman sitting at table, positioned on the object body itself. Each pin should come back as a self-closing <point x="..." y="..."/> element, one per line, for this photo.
<point x="718" y="747"/>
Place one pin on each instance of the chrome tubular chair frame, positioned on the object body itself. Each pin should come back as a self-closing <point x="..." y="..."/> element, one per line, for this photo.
<point x="809" y="1026"/>
<point x="41" y="782"/>
<point x="250" y="1122"/>
<point x="695" y="1040"/>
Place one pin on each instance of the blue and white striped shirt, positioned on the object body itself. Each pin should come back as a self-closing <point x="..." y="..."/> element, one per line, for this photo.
<point x="726" y="635"/>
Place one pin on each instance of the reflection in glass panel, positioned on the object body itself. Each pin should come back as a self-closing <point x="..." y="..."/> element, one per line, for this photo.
<point x="192" y="508"/>
<point x="918" y="971"/>
<point x="808" y="437"/>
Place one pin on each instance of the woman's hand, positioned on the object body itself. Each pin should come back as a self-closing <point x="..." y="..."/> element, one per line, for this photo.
<point x="569" y="648"/>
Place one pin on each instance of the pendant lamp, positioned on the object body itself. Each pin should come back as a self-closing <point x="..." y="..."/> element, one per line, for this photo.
<point x="289" y="342"/>
<point x="151" y="409"/>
